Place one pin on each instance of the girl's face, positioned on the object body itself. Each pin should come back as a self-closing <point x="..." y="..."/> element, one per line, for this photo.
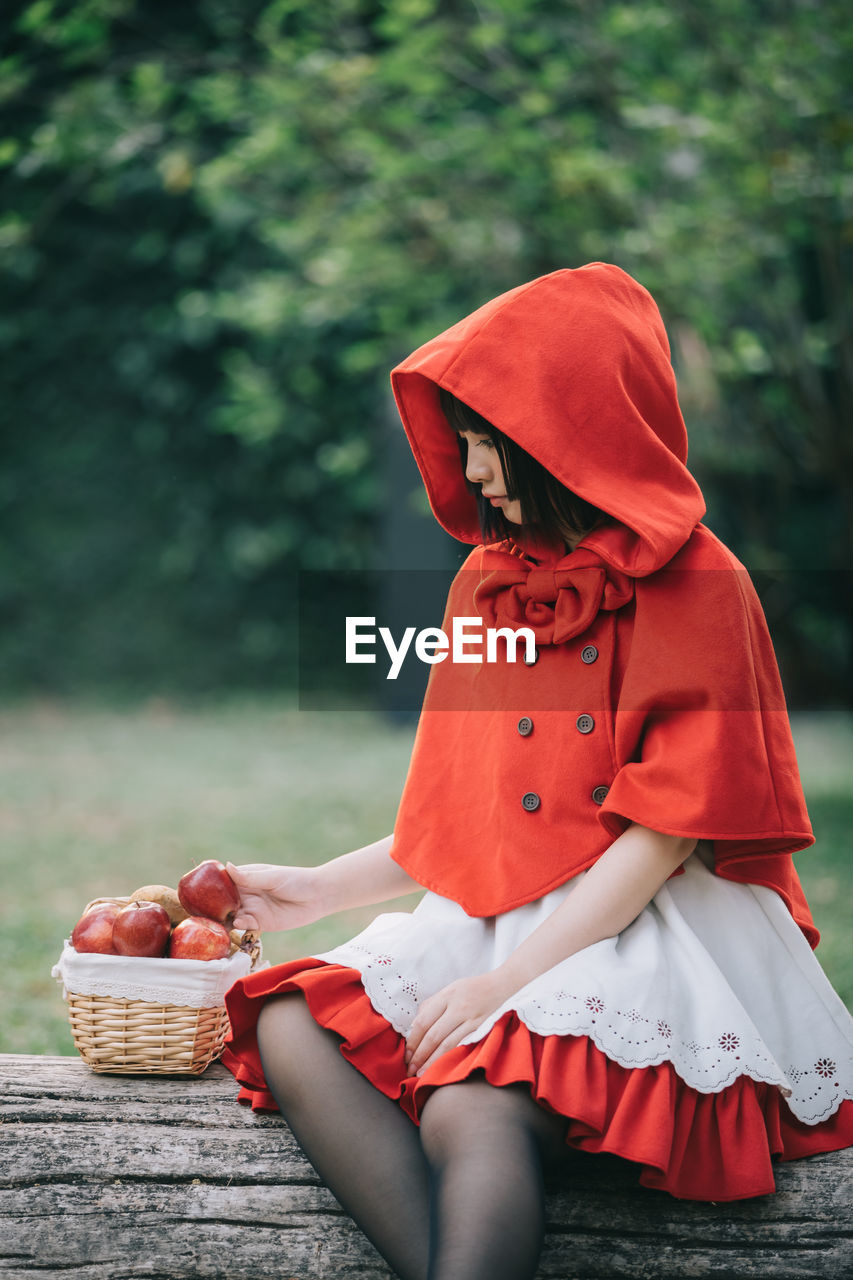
<point x="483" y="467"/>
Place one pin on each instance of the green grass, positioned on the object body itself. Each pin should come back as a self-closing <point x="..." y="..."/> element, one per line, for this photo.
<point x="96" y="801"/>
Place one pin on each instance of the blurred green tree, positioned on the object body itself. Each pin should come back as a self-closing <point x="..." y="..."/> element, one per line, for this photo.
<point x="223" y="222"/>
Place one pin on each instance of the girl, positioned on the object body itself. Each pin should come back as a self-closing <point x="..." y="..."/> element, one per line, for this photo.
<point x="613" y="950"/>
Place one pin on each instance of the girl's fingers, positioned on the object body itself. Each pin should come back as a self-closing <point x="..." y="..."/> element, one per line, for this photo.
<point x="450" y="1041"/>
<point x="243" y="874"/>
<point x="259" y="874"/>
<point x="245" y="922"/>
<point x="428" y="1044"/>
<point x="429" y="1012"/>
<point x="254" y="912"/>
<point x="428" y="1015"/>
<point x="419" y="1040"/>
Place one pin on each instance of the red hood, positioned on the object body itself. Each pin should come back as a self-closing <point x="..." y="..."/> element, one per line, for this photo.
<point x="574" y="367"/>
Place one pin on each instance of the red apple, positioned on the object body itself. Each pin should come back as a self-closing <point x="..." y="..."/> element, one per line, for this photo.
<point x="141" y="929"/>
<point x="199" y="938"/>
<point x="209" y="891"/>
<point x="93" y="932"/>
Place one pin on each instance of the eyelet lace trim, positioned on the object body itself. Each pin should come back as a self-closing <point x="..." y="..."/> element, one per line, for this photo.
<point x="631" y="1037"/>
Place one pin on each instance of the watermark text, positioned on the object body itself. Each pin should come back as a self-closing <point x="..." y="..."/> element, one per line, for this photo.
<point x="431" y="644"/>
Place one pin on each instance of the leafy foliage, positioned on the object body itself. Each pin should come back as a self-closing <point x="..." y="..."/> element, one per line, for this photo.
<point x="224" y="222"/>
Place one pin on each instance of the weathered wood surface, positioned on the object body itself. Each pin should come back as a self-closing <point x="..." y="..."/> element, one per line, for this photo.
<point x="166" y="1178"/>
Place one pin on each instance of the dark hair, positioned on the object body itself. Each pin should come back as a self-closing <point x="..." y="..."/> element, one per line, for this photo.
<point x="545" y="502"/>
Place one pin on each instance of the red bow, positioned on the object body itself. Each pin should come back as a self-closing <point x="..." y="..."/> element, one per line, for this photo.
<point x="556" y="603"/>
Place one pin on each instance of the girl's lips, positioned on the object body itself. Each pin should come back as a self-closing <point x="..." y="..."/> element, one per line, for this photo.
<point x="494" y="499"/>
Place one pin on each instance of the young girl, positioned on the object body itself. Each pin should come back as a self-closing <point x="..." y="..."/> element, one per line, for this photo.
<point x="613" y="950"/>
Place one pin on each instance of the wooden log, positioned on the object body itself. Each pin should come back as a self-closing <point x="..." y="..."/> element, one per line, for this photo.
<point x="167" y="1178"/>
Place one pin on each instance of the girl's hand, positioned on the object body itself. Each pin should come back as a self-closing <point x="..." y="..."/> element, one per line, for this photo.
<point x="274" y="897"/>
<point x="445" y="1019"/>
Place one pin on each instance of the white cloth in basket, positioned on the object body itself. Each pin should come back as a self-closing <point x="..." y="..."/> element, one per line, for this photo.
<point x="194" y="984"/>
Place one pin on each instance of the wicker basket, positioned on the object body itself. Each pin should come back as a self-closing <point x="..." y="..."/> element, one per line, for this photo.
<point x="124" y="1036"/>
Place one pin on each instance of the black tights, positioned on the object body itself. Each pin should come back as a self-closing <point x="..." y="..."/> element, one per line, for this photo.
<point x="458" y="1199"/>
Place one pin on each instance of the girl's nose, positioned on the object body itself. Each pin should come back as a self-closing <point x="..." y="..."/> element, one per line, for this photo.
<point x="477" y="468"/>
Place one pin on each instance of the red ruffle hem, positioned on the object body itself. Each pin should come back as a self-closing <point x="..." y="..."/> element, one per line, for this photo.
<point x="696" y="1146"/>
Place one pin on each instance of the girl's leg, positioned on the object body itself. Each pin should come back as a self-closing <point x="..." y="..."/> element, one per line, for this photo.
<point x="486" y="1147"/>
<point x="366" y="1150"/>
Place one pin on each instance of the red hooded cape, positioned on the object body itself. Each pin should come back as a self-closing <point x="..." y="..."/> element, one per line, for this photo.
<point x="655" y="697"/>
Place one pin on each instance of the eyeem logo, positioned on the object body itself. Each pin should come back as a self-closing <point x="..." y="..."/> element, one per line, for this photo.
<point x="433" y="645"/>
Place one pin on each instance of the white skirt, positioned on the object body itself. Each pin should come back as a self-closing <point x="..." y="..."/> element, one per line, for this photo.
<point x="701" y="1043"/>
<point x="713" y="977"/>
